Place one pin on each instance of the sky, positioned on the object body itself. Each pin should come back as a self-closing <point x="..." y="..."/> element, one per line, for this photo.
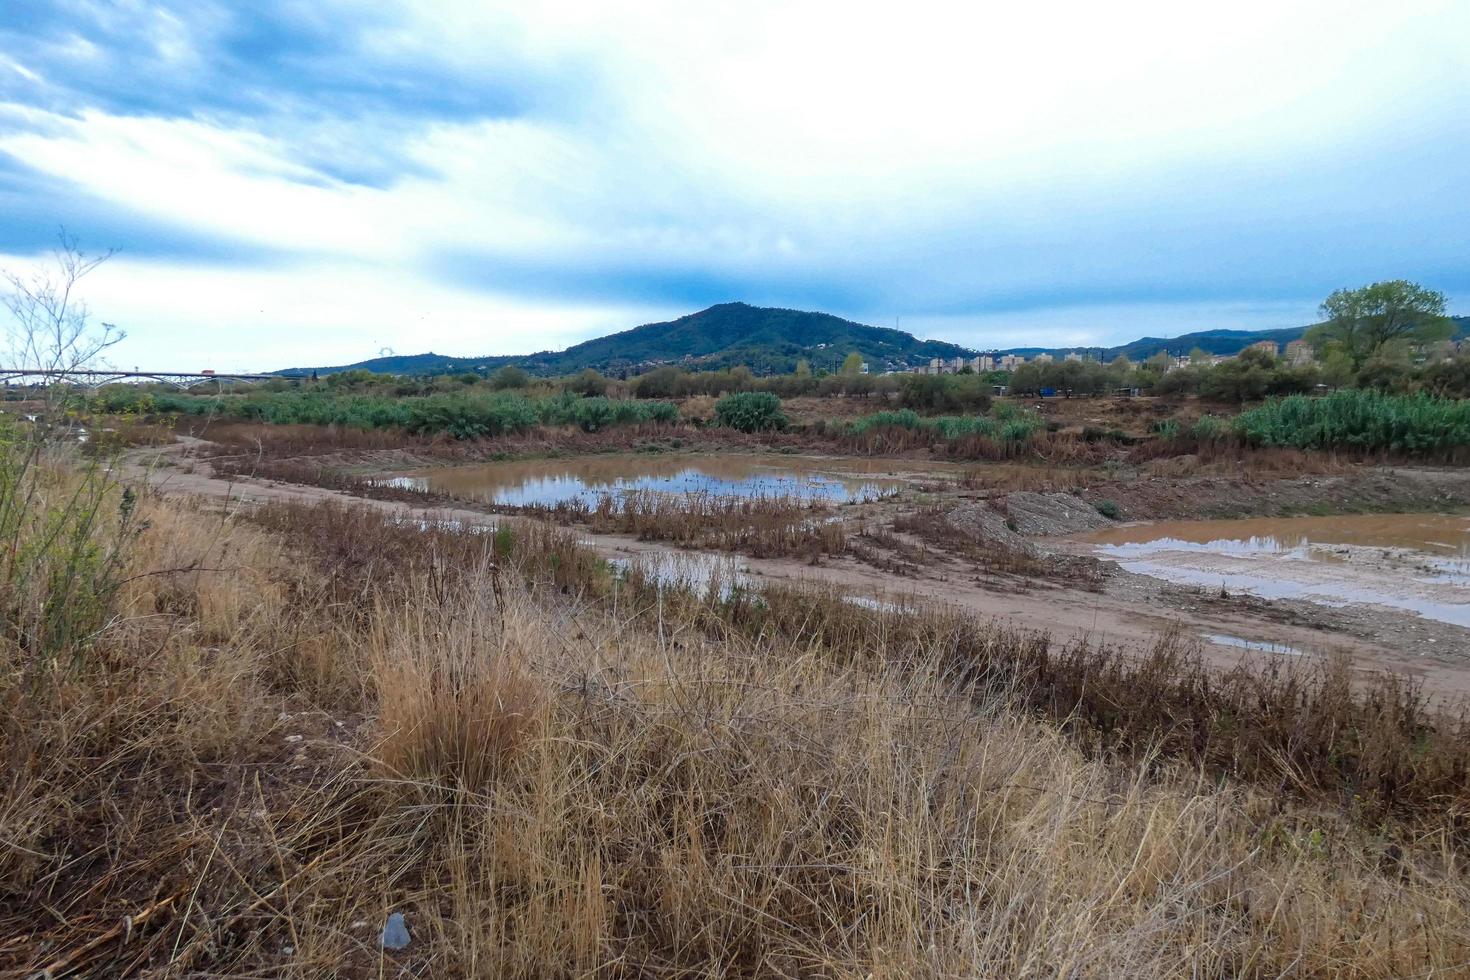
<point x="312" y="182"/>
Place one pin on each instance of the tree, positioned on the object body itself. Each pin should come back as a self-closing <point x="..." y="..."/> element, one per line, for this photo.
<point x="1360" y="322"/>
<point x="589" y="383"/>
<point x="1245" y="377"/>
<point x="1337" y="370"/>
<point x="508" y="377"/>
<point x="803" y="369"/>
<point x="852" y="365"/>
<point x="50" y="329"/>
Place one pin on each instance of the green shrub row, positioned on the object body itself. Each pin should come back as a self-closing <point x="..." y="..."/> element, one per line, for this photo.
<point x="467" y="415"/>
<point x="1007" y="426"/>
<point x="1359" y="419"/>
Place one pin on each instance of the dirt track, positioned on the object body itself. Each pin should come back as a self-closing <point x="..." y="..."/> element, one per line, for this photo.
<point x="1130" y="611"/>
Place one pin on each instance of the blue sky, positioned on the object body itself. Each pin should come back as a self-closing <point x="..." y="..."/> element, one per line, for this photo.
<point x="297" y="183"/>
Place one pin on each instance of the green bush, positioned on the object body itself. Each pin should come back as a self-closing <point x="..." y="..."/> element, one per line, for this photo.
<point x="1108" y="509"/>
<point x="1360" y="419"/>
<point x="945" y="392"/>
<point x="751" y="411"/>
<point x="902" y="419"/>
<point x="63" y="535"/>
<point x="509" y="377"/>
<point x="462" y="413"/>
<point x="1209" y="428"/>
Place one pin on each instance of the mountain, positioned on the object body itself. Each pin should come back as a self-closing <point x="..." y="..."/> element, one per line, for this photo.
<point x="769" y="341"/>
<point x="764" y="339"/>
<point x="1209" y="341"/>
<point x="1226" y="341"/>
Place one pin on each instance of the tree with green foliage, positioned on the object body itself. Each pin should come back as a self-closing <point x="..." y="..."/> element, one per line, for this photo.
<point x="852" y="365"/>
<point x="803" y="368"/>
<point x="1387" y="370"/>
<point x="1337" y="370"/>
<point x="1360" y="322"/>
<point x="588" y="383"/>
<point x="508" y="377"/>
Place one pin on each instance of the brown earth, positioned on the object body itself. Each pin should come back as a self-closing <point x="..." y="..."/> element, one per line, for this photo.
<point x="1119" y="608"/>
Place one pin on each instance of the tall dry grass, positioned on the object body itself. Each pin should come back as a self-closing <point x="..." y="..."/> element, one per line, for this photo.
<point x="552" y="771"/>
<point x="762" y="526"/>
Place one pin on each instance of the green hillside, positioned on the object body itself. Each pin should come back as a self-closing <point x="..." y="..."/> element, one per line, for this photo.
<point x="765" y="339"/>
<point x="771" y="341"/>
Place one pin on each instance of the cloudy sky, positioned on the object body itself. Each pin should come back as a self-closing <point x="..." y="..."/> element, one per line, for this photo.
<point x="309" y="181"/>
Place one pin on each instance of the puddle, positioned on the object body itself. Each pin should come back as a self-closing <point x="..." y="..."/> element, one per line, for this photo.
<point x="549" y="482"/>
<point x="1416" y="563"/>
<point x="702" y="573"/>
<point x="1435" y="534"/>
<point x="878" y="605"/>
<point x="1263" y="646"/>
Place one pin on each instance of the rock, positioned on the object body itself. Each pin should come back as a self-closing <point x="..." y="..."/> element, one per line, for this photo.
<point x="980" y="522"/>
<point x="395" y="932"/>
<point x="1037" y="514"/>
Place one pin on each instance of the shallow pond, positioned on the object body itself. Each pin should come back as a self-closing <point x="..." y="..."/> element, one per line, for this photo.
<point x="1417" y="563"/>
<point x="549" y="482"/>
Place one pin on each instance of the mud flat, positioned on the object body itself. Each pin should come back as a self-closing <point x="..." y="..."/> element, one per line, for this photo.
<point x="1125" y="608"/>
<point x="1413" y="563"/>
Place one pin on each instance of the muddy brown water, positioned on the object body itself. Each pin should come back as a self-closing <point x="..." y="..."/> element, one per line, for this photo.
<point x="550" y="482"/>
<point x="1415" y="563"/>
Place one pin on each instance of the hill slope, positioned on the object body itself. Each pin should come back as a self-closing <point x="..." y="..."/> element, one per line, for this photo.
<point x="764" y="339"/>
<point x="1226" y="341"/>
<point x="769" y="340"/>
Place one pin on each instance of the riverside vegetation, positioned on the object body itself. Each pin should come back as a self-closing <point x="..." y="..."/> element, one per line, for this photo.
<point x="236" y="741"/>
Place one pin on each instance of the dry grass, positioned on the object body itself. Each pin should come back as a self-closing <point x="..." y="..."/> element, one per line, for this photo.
<point x="553" y="772"/>
<point x="1007" y="478"/>
<point x="763" y="527"/>
<point x="993" y="555"/>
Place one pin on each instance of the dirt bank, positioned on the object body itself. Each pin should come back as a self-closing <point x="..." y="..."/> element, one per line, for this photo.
<point x="1155" y="495"/>
<point x="1124" y="609"/>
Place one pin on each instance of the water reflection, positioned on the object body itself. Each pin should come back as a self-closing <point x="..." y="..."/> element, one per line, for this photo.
<point x="588" y="479"/>
<point x="1262" y="646"/>
<point x="1446" y="535"/>
<point x="1417" y="563"/>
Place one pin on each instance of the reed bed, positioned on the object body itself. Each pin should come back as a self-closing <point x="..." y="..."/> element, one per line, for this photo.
<point x="1361" y="419"/>
<point x="762" y="526"/>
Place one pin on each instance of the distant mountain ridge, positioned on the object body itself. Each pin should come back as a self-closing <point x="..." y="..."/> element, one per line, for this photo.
<point x="765" y="339"/>
<point x="770" y="340"/>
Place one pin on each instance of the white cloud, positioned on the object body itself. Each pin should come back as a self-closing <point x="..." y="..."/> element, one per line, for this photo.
<point x="1060" y="159"/>
<point x="187" y="317"/>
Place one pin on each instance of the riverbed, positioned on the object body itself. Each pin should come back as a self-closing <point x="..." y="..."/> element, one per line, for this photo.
<point x="1413" y="563"/>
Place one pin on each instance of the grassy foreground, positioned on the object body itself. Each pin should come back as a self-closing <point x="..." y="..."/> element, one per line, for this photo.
<point x="241" y="741"/>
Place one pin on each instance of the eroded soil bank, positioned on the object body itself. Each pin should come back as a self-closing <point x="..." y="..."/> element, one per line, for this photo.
<point x="1090" y="595"/>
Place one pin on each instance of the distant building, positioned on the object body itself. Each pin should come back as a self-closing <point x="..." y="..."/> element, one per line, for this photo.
<point x="1009" y="362"/>
<point x="1269" y="346"/>
<point x="1072" y="356"/>
<point x="1300" y="353"/>
<point x="1042" y="358"/>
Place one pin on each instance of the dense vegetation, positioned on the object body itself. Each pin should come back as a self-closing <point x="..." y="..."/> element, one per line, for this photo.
<point x="462" y="415"/>
<point x="751" y="411"/>
<point x="1007" y="426"/>
<point x="1358" y="419"/>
